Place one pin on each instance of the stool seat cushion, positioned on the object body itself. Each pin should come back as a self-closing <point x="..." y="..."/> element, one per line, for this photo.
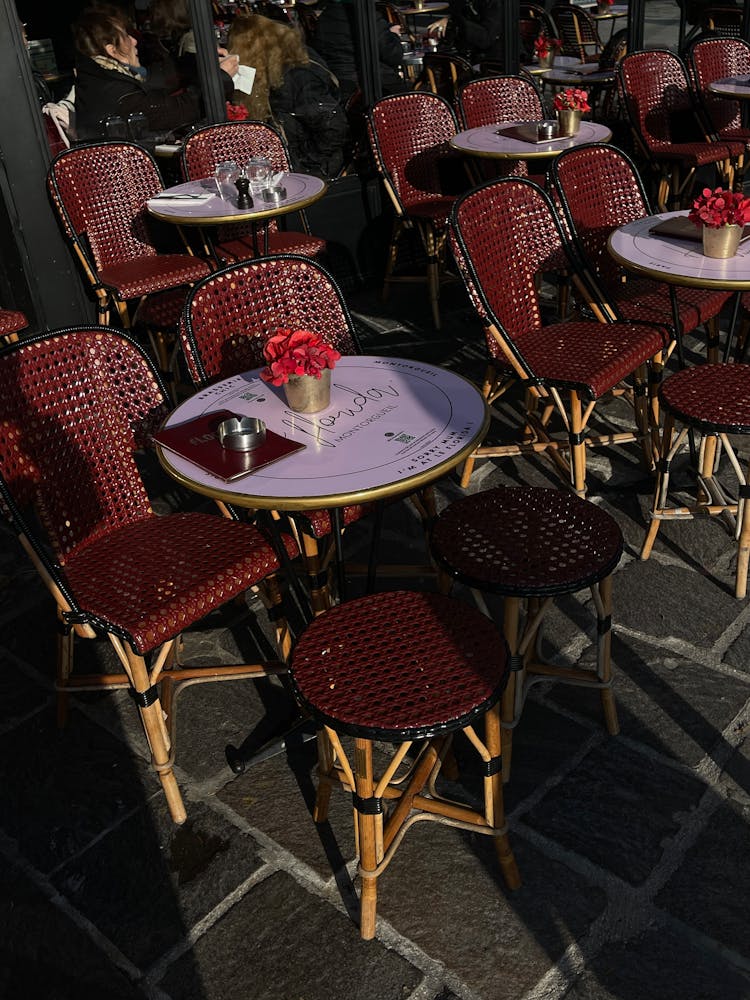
<point x="399" y="665"/>
<point x="710" y="397"/>
<point x="526" y="542"/>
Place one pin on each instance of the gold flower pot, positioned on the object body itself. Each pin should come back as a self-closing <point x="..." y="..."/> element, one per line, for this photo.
<point x="307" y="394"/>
<point x="569" y="121"/>
<point x="721" y="241"/>
<point x="548" y="61"/>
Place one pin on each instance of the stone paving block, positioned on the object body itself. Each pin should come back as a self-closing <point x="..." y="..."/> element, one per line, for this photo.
<point x="148" y="881"/>
<point x="19" y="694"/>
<point x="735" y="779"/>
<point x="44" y="954"/>
<point x="444" y="891"/>
<point x="660" y="964"/>
<point x="678" y="707"/>
<point x="618" y="808"/>
<point x="62" y="788"/>
<point x="280" y="941"/>
<point x="651" y="600"/>
<point x="717" y="862"/>
<point x="738" y="654"/>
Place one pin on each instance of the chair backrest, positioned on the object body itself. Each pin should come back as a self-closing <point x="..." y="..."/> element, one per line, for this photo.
<point x="727" y="20"/>
<point x="229" y="315"/>
<point x="209" y="146"/>
<point x="711" y="59"/>
<point x="75" y="405"/>
<point x="409" y="135"/>
<point x="578" y="32"/>
<point x="503" y="235"/>
<point x="444" y="73"/>
<point x="498" y="99"/>
<point x="655" y="92"/>
<point x="100" y="190"/>
<point x="599" y="189"/>
<point x="534" y="21"/>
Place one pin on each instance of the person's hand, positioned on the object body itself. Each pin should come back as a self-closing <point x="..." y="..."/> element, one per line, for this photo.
<point x="395" y="28"/>
<point x="229" y="63"/>
<point x="437" y="28"/>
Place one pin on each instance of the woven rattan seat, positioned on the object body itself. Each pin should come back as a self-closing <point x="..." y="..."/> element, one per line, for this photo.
<point x="529" y="543"/>
<point x="206" y="147"/>
<point x="400" y="667"/>
<point x="11" y="321"/>
<point x="713" y="399"/>
<point x="74" y="495"/>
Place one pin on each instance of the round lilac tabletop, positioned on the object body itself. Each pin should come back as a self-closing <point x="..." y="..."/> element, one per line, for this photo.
<point x="614" y="11"/>
<point x="677" y="261"/>
<point x="485" y="141"/>
<point x="209" y="209"/>
<point x="733" y="86"/>
<point x="393" y="425"/>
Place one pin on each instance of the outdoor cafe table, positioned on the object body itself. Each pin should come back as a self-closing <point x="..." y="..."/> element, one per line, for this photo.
<point x="737" y="87"/>
<point x="487" y="141"/>
<point x="301" y="190"/>
<point x="392" y="427"/>
<point x="679" y="262"/>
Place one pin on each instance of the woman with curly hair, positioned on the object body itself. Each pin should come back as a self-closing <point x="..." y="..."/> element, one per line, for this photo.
<point x="293" y="90"/>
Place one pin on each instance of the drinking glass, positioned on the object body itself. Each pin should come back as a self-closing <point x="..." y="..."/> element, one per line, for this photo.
<point x="258" y="172"/>
<point x="226" y="174"/>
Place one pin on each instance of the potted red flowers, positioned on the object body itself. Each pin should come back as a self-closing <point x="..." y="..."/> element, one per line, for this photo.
<point x="546" y="49"/>
<point x="604" y="5"/>
<point x="301" y="362"/>
<point x="722" y="216"/>
<point x="570" y="105"/>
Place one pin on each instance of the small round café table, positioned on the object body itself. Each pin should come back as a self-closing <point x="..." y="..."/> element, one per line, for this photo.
<point x="392" y="427"/>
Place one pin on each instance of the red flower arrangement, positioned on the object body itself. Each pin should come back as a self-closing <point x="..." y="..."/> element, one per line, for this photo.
<point x="719" y="208"/>
<point x="296" y="352"/>
<point x="605" y="3"/>
<point x="544" y="45"/>
<point x="572" y="99"/>
<point x="237" y="112"/>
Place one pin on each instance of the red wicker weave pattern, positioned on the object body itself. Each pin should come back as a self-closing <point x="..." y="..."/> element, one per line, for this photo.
<point x="577" y="27"/>
<point x="11" y="320"/>
<point x="527" y="541"/>
<point x="409" y="134"/>
<point x="654" y="88"/>
<point x="711" y="396"/>
<point x="133" y="278"/>
<point x="399" y="661"/>
<point x="498" y="99"/>
<point x="238" y="141"/>
<point x="233" y="312"/>
<point x="601" y="192"/>
<point x="716" y="59"/>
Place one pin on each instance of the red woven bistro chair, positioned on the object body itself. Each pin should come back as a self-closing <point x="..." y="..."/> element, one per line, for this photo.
<point x="408" y="669"/>
<point x="531" y="545"/>
<point x="409" y="135"/>
<point x="443" y="73"/>
<point x="599" y="189"/>
<point x="658" y="102"/>
<point x="70" y="485"/>
<point x="505" y="235"/>
<point x="713" y="401"/>
<point x="228" y="318"/>
<point x="711" y="59"/>
<point x="99" y="191"/>
<point x="578" y="33"/>
<point x="11" y="321"/>
<point x="238" y="141"/>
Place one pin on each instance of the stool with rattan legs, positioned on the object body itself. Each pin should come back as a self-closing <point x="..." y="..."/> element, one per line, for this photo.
<point x="530" y="545"/>
<point x="404" y="668"/>
<point x="714" y="400"/>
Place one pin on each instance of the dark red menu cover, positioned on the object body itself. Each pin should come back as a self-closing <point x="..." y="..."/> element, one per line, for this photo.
<point x="197" y="440"/>
<point x="681" y="228"/>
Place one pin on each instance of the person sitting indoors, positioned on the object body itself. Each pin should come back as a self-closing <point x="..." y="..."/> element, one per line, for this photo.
<point x="473" y="29"/>
<point x="111" y="81"/>
<point x="167" y="46"/>
<point x="293" y="90"/>
<point x="334" y="38"/>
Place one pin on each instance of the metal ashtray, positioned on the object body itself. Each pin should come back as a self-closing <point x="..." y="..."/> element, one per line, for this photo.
<point x="241" y="433"/>
<point x="547" y="130"/>
<point x="273" y="195"/>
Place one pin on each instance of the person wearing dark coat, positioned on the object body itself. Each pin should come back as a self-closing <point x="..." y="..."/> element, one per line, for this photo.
<point x="334" y="39"/>
<point x="477" y="26"/>
<point x="110" y="81"/>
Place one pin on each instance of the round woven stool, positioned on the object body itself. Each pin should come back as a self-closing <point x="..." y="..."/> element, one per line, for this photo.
<point x="401" y="667"/>
<point x="530" y="545"/>
<point x="715" y="400"/>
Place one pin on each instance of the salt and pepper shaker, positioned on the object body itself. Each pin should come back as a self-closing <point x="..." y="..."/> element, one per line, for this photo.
<point x="243" y="192"/>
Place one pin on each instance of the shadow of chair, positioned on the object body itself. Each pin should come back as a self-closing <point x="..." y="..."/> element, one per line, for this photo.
<point x="205" y="148"/>
<point x="73" y="493"/>
<point x="504" y="236"/>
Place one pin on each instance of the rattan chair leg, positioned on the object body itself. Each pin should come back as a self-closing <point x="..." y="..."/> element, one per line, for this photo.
<point x="743" y="549"/>
<point x="65" y="641"/>
<point x="511" y="626"/>
<point x="604" y="653"/>
<point x="661" y="487"/>
<point x="494" y="737"/>
<point x="368" y="839"/>
<point x="577" y="445"/>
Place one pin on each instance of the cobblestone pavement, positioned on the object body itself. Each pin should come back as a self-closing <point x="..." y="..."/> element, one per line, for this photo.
<point x="632" y="849"/>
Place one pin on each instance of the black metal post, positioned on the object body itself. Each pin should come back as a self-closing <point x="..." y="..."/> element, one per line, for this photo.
<point x="367" y="51"/>
<point x="511" y="39"/>
<point x="208" y="63"/>
<point x="636" y="17"/>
